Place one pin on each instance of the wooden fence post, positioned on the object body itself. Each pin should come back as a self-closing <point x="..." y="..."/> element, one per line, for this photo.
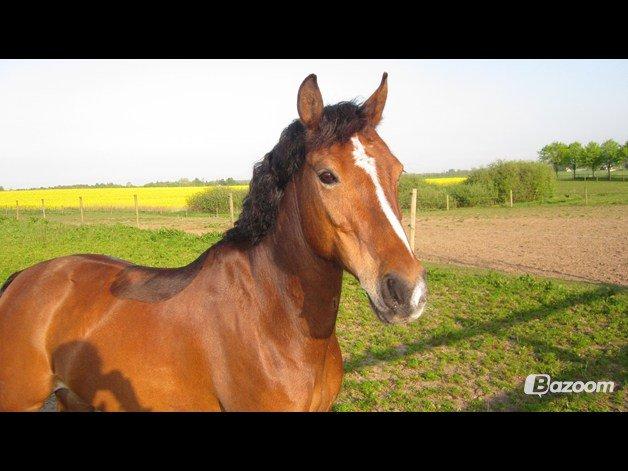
<point x="511" y="198"/>
<point x="231" y="208"/>
<point x="43" y="208"/>
<point x="81" y="208"/>
<point x="137" y="212"/>
<point x="17" y="210"/>
<point x="413" y="219"/>
<point x="447" y="201"/>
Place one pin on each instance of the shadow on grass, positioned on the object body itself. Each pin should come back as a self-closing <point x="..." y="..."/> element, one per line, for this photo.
<point x="471" y="329"/>
<point x="602" y="368"/>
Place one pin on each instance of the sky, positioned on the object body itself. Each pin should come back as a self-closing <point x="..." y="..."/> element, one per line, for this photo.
<point x="88" y="121"/>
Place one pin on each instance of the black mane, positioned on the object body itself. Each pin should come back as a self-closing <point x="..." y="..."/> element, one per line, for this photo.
<point x="271" y="175"/>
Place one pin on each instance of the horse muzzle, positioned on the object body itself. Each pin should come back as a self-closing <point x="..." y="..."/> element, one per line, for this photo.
<point x="398" y="301"/>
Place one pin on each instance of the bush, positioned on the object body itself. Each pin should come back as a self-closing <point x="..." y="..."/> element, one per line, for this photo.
<point x="428" y="196"/>
<point x="529" y="181"/>
<point x="475" y="194"/>
<point x="216" y="199"/>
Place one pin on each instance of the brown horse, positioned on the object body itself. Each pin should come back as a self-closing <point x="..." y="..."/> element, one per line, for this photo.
<point x="250" y="324"/>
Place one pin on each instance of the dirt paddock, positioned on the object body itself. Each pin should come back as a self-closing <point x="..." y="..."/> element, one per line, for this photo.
<point x="572" y="242"/>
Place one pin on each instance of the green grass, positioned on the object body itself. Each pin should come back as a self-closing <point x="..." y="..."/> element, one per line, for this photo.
<point x="599" y="192"/>
<point x="482" y="334"/>
<point x="582" y="173"/>
<point x="32" y="240"/>
<point x="566" y="193"/>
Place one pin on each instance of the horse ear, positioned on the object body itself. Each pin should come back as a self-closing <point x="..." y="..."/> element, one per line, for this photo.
<point x="310" y="102"/>
<point x="374" y="106"/>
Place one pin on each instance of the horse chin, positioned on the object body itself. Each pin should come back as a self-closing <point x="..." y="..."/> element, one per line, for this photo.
<point x="387" y="316"/>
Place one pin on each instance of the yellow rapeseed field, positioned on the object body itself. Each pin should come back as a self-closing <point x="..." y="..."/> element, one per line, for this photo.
<point x="148" y="197"/>
<point x="445" y="181"/>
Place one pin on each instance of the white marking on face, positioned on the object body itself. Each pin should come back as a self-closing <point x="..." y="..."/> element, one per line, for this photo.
<point x="417" y="313"/>
<point x="367" y="163"/>
<point x="418" y="291"/>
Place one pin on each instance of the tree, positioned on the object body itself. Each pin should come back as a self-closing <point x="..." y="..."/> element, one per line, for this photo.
<point x="573" y="156"/>
<point x="624" y="152"/>
<point x="592" y="156"/>
<point x="553" y="154"/>
<point x="611" y="155"/>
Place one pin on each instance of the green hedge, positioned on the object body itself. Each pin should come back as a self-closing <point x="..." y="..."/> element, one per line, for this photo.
<point x="216" y="199"/>
<point x="472" y="194"/>
<point x="428" y="196"/>
<point x="529" y="181"/>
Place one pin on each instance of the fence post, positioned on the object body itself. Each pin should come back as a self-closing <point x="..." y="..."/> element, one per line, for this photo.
<point x="511" y="198"/>
<point x="447" y="201"/>
<point x="43" y="208"/>
<point x="413" y="219"/>
<point x="231" y="208"/>
<point x="81" y="208"/>
<point x="137" y="212"/>
<point x="17" y="210"/>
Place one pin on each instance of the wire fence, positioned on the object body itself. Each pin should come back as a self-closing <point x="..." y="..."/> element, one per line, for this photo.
<point x="578" y="192"/>
<point x="131" y="211"/>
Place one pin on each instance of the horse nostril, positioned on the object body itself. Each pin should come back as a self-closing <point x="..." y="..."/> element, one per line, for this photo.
<point x="394" y="290"/>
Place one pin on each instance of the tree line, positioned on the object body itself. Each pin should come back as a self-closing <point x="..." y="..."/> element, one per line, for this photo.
<point x="594" y="156"/>
<point x="181" y="182"/>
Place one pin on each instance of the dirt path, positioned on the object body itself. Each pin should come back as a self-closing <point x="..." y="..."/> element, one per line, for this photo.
<point x="579" y="243"/>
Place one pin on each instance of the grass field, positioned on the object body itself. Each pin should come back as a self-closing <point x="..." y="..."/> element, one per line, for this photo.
<point x="148" y="197"/>
<point x="598" y="192"/>
<point x="482" y="334"/>
<point x="581" y="173"/>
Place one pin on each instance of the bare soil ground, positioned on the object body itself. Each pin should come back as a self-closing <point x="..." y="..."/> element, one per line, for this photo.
<point x="579" y="243"/>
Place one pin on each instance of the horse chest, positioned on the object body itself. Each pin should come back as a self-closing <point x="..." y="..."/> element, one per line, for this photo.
<point x="285" y="383"/>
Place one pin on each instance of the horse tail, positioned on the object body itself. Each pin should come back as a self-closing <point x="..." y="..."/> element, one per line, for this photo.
<point x="8" y="282"/>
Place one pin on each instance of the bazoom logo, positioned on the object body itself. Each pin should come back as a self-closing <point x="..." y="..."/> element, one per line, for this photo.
<point x="542" y="384"/>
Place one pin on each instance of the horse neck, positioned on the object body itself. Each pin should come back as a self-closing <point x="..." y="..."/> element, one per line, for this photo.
<point x="309" y="285"/>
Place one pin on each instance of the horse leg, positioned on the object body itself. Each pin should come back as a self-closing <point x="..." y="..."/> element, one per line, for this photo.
<point x="25" y="381"/>
<point x="68" y="401"/>
<point x="333" y="375"/>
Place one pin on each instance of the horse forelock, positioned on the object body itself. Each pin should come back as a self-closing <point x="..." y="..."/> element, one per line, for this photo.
<point x="338" y="124"/>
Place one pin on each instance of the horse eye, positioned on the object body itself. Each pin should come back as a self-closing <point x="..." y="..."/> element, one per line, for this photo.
<point x="327" y="177"/>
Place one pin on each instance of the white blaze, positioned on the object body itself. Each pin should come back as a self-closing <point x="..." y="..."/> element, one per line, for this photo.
<point x="367" y="163"/>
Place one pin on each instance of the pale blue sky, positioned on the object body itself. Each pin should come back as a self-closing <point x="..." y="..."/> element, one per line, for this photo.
<point x="89" y="121"/>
